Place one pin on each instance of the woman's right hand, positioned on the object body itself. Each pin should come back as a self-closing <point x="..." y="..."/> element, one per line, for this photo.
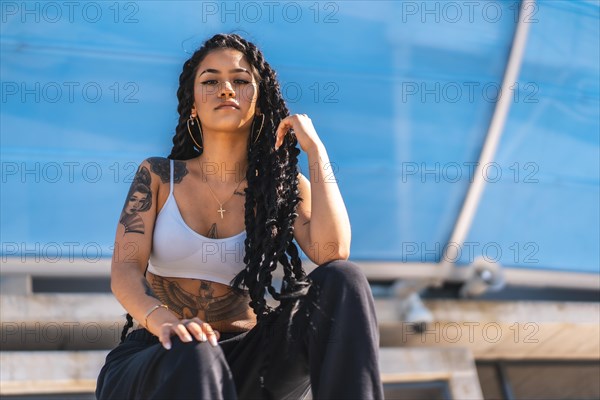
<point x="185" y="329"/>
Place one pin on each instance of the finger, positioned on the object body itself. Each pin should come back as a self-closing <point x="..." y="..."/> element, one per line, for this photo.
<point x="199" y="322"/>
<point x="284" y="126"/>
<point x="183" y="333"/>
<point x="212" y="337"/>
<point x="194" y="328"/>
<point x="164" y="336"/>
<point x="279" y="135"/>
<point x="218" y="334"/>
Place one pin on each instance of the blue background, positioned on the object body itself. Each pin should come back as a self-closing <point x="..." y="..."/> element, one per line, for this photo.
<point x="401" y="93"/>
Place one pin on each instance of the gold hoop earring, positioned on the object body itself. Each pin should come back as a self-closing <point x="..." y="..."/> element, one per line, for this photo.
<point x="262" y="123"/>
<point x="192" y="121"/>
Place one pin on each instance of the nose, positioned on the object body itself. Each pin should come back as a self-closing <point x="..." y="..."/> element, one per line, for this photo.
<point x="226" y="90"/>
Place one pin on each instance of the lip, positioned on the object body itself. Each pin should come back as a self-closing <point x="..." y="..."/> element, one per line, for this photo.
<point x="228" y="104"/>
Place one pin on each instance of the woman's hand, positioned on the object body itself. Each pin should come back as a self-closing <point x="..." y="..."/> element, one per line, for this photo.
<point x="201" y="330"/>
<point x="303" y="128"/>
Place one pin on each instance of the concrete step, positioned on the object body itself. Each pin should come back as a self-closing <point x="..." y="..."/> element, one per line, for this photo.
<point x="29" y="372"/>
<point x="60" y="321"/>
<point x="499" y="329"/>
<point x="63" y="372"/>
<point x="491" y="329"/>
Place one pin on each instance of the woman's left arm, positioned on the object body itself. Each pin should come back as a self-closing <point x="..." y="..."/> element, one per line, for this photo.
<point x="322" y="228"/>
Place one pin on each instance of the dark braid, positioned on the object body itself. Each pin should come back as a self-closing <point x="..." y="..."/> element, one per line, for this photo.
<point x="272" y="185"/>
<point x="272" y="179"/>
<point x="128" y="325"/>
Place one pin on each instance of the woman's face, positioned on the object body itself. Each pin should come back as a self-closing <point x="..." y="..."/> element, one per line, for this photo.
<point x="225" y="76"/>
<point x="135" y="202"/>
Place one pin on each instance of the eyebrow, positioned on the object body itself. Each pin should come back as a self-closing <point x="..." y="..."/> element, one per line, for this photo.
<point x="216" y="71"/>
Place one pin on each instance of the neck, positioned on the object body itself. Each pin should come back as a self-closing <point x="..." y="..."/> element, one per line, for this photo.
<point x="224" y="159"/>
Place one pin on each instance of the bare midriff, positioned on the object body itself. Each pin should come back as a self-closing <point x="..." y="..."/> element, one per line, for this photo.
<point x="218" y="304"/>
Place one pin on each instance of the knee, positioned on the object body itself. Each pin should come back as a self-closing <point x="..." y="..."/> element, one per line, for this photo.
<point x="194" y="355"/>
<point x="341" y="273"/>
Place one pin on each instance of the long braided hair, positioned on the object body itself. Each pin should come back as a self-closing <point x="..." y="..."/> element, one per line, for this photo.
<point x="272" y="184"/>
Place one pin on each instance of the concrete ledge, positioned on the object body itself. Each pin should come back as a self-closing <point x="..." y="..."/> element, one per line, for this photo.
<point x="500" y="330"/>
<point x="52" y="307"/>
<point x="455" y="365"/>
<point x="60" y="321"/>
<point x="76" y="371"/>
<point x="374" y="270"/>
<point x="491" y="329"/>
<point x="49" y="371"/>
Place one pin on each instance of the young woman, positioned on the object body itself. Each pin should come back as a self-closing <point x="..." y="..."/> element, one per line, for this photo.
<point x="220" y="217"/>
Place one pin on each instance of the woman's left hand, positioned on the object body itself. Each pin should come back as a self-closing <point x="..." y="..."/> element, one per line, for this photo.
<point x="303" y="128"/>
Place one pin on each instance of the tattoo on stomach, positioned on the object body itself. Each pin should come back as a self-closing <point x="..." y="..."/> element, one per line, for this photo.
<point x="189" y="305"/>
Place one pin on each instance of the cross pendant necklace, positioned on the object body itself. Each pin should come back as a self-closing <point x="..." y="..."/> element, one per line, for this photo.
<point x="221" y="210"/>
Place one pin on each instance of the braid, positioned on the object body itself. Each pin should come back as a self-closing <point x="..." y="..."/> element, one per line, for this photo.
<point x="272" y="189"/>
<point x="128" y="325"/>
<point x="272" y="180"/>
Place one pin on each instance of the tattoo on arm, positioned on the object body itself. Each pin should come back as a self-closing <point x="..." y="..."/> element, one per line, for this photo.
<point x="180" y="170"/>
<point x="160" y="166"/>
<point x="139" y="199"/>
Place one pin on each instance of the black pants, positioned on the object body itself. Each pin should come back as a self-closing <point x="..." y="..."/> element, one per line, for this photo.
<point x="330" y="346"/>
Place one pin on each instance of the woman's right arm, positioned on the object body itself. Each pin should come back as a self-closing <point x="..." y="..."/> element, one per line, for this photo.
<point x="133" y="243"/>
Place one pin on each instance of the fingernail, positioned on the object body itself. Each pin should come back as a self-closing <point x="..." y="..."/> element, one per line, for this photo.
<point x="188" y="338"/>
<point x="213" y="341"/>
<point x="203" y="337"/>
<point x="168" y="346"/>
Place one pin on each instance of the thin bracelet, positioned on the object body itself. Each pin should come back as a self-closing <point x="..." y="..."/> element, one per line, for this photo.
<point x="151" y="311"/>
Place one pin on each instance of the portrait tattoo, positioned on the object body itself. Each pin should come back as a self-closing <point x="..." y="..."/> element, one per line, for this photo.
<point x="139" y="199"/>
<point x="160" y="166"/>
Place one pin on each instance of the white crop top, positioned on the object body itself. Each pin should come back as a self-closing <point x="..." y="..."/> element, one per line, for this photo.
<point x="179" y="251"/>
